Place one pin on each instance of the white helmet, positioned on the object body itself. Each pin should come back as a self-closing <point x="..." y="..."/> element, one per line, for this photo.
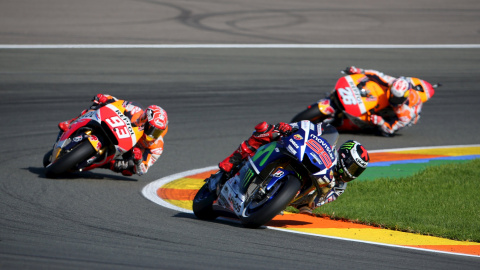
<point x="399" y="91"/>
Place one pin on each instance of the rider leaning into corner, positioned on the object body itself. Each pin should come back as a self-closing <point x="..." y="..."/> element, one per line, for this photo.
<point x="404" y="101"/>
<point x="352" y="160"/>
<point x="148" y="149"/>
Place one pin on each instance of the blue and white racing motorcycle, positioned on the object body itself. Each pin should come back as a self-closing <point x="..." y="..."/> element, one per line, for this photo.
<point x="280" y="173"/>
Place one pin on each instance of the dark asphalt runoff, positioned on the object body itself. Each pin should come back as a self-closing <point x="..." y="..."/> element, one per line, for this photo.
<point x="214" y="97"/>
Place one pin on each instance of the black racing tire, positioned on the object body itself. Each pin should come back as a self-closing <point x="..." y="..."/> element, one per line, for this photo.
<point x="203" y="204"/>
<point x="68" y="161"/>
<point x="284" y="195"/>
<point x="46" y="158"/>
<point x="312" y="113"/>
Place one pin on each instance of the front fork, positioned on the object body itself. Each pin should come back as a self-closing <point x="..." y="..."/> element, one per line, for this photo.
<point x="70" y="143"/>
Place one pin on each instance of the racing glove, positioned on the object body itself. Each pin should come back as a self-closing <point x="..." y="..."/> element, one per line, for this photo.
<point x="137" y="154"/>
<point x="376" y="120"/>
<point x="383" y="127"/>
<point x="353" y="70"/>
<point x="283" y="128"/>
<point x="100" y="99"/>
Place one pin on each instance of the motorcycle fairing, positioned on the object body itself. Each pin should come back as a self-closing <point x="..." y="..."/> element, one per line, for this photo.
<point x="424" y="89"/>
<point x="231" y="197"/>
<point x="357" y="102"/>
<point x="120" y="125"/>
<point x="293" y="145"/>
<point x="305" y="143"/>
<point x="125" y="135"/>
<point x="350" y="96"/>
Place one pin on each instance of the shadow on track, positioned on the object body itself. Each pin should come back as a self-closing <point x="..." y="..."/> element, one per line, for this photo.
<point x="40" y="172"/>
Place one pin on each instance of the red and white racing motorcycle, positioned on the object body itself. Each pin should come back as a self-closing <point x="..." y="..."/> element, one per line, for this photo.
<point x="93" y="140"/>
<point x="355" y="96"/>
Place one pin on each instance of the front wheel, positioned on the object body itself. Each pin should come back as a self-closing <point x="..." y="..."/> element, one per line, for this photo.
<point x="312" y="113"/>
<point x="69" y="160"/>
<point x="261" y="210"/>
<point x="203" y="204"/>
<point x="47" y="158"/>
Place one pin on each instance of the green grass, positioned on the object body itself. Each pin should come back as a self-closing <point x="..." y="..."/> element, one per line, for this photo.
<point x="442" y="201"/>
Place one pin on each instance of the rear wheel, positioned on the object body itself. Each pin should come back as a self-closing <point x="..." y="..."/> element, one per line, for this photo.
<point x="203" y="204"/>
<point x="262" y="208"/>
<point x="312" y="113"/>
<point x="69" y="160"/>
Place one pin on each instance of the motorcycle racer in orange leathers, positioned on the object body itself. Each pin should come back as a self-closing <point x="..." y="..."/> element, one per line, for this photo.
<point x="405" y="103"/>
<point x="154" y="123"/>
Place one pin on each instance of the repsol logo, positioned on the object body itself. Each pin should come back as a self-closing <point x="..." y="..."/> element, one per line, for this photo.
<point x="127" y="122"/>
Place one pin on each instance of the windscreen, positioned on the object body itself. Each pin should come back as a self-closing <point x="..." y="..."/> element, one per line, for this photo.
<point x="329" y="133"/>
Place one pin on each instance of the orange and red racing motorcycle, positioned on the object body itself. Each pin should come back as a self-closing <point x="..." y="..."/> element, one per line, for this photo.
<point x="355" y="97"/>
<point x="93" y="140"/>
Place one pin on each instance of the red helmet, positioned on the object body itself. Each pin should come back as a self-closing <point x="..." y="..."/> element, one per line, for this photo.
<point x="399" y="91"/>
<point x="156" y="122"/>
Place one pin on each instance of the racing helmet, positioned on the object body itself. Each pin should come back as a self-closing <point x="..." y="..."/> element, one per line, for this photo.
<point x="399" y="91"/>
<point x="352" y="161"/>
<point x="156" y="122"/>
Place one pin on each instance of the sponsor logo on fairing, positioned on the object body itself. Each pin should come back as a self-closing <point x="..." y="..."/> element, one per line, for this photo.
<point x="293" y="143"/>
<point x="291" y="150"/>
<point x="325" y="146"/>
<point x="278" y="173"/>
<point x="298" y="137"/>
<point x="236" y="206"/>
<point x="127" y="122"/>
<point x="355" y="90"/>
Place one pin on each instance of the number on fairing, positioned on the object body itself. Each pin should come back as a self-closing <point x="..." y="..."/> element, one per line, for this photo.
<point x="115" y="122"/>
<point x="317" y="148"/>
<point x="347" y="96"/>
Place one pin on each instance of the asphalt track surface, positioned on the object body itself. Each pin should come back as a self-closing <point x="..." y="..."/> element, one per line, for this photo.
<point x="214" y="97"/>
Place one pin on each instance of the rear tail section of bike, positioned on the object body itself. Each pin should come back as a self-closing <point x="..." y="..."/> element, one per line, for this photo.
<point x="316" y="113"/>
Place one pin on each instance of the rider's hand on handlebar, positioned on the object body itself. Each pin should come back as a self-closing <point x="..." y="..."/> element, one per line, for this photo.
<point x="353" y="70"/>
<point x="99" y="99"/>
<point x="137" y="154"/>
<point x="376" y="120"/>
<point x="284" y="128"/>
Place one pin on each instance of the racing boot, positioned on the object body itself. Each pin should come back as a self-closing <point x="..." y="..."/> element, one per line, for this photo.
<point x="231" y="161"/>
<point x="307" y="204"/>
<point x="216" y="181"/>
<point x="306" y="210"/>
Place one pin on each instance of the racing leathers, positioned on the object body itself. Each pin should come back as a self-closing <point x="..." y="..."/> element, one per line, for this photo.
<point x="143" y="155"/>
<point x="405" y="114"/>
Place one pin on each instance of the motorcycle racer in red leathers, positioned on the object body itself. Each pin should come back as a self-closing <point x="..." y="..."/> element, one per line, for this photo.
<point x="404" y="101"/>
<point x="351" y="162"/>
<point x="148" y="149"/>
